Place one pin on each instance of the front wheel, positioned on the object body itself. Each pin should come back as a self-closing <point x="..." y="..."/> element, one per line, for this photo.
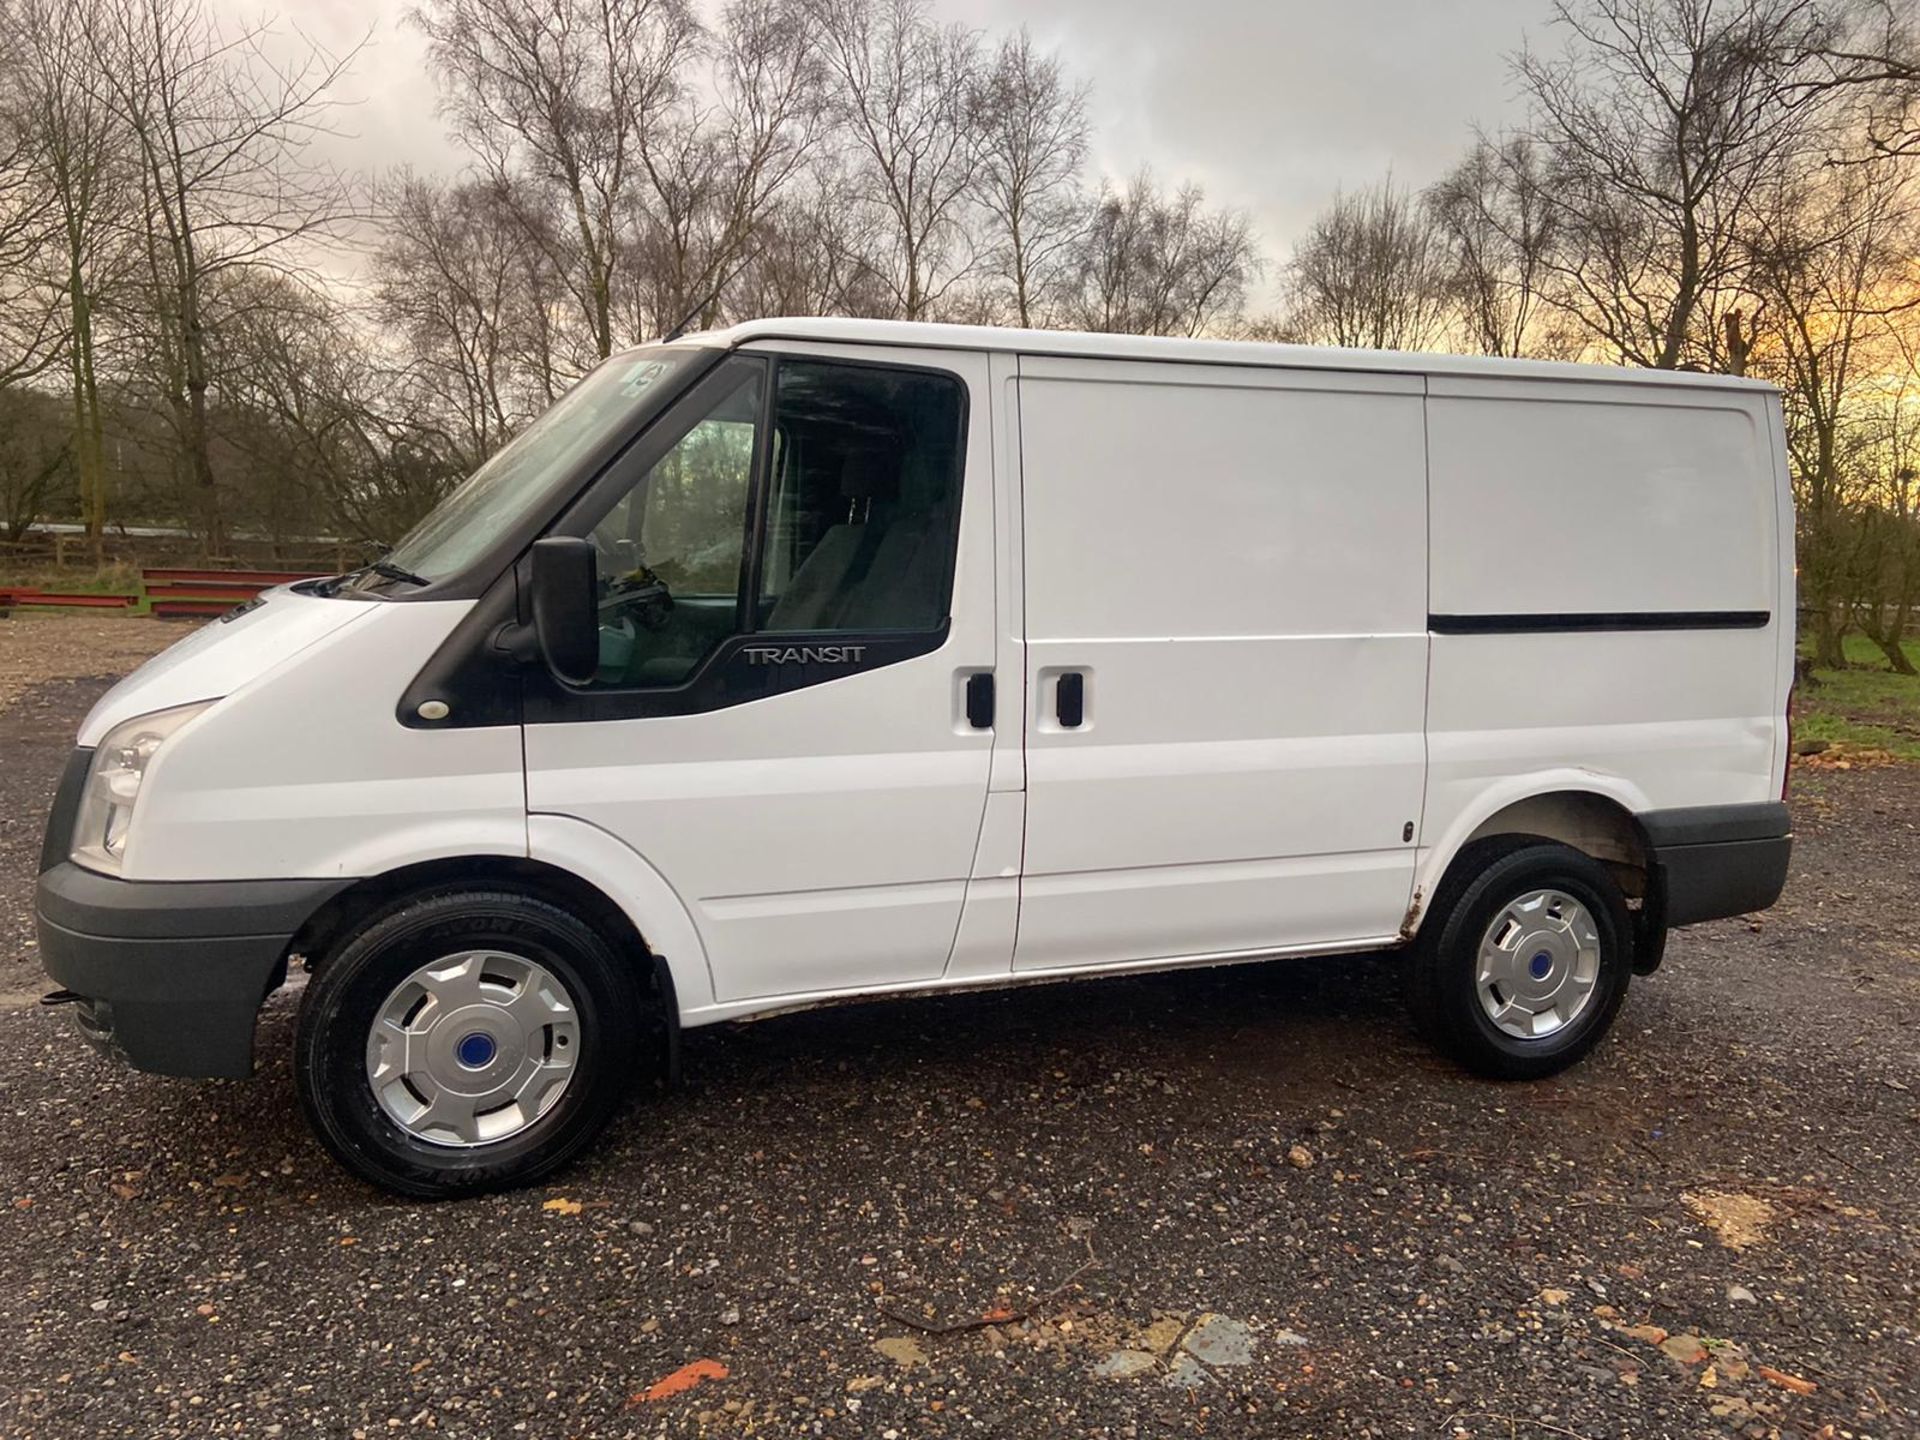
<point x="466" y="1041"/>
<point x="1524" y="960"/>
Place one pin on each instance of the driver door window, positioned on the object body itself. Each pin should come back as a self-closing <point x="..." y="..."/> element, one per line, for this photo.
<point x="862" y="496"/>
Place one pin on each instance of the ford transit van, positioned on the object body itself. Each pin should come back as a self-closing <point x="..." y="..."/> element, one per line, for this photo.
<point x="821" y="659"/>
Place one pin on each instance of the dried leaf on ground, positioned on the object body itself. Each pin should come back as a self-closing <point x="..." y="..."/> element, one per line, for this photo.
<point x="1784" y="1380"/>
<point x="681" y="1381"/>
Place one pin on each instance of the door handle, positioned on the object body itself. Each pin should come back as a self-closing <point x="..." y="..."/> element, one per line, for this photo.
<point x="1070" y="700"/>
<point x="980" y="700"/>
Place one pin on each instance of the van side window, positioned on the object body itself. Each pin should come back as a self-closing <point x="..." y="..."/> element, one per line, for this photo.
<point x="856" y="533"/>
<point x="864" y="500"/>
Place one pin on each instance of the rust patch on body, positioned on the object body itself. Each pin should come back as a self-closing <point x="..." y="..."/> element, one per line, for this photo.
<point x="1412" y="917"/>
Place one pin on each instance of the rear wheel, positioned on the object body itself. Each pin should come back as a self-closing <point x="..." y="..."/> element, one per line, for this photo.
<point x="1524" y="960"/>
<point x="466" y="1041"/>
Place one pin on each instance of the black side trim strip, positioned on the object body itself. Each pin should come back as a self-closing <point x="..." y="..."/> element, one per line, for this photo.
<point x="1550" y="623"/>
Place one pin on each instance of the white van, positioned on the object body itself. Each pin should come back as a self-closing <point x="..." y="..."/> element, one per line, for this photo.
<point x="821" y="659"/>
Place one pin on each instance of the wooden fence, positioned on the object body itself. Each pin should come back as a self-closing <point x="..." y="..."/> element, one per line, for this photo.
<point x="169" y="593"/>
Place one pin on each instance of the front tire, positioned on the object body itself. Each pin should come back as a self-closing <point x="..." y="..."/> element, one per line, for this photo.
<point x="1524" y="960"/>
<point x="466" y="1041"/>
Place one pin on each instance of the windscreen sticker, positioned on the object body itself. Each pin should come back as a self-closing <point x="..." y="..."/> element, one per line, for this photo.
<point x="644" y="372"/>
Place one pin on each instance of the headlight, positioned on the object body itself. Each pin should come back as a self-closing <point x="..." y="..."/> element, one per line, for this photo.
<point x="113" y="785"/>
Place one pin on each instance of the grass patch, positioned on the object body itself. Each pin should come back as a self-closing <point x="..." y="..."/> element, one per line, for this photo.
<point x="1866" y="706"/>
<point x="117" y="578"/>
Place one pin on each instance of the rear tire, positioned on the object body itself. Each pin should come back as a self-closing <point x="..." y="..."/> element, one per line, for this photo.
<point x="466" y="1041"/>
<point x="1524" y="959"/>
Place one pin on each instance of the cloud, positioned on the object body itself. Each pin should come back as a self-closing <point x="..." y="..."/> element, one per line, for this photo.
<point x="1272" y="105"/>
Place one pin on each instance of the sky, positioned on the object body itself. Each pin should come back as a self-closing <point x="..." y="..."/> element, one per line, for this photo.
<point x="1272" y="105"/>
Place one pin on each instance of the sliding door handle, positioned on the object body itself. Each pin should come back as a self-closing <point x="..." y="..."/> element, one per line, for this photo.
<point x="1070" y="700"/>
<point x="980" y="700"/>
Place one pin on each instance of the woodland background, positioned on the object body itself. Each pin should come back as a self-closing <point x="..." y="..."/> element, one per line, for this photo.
<point x="204" y="327"/>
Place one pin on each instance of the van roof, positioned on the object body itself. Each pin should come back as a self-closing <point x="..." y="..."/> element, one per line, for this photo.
<point x="1212" y="352"/>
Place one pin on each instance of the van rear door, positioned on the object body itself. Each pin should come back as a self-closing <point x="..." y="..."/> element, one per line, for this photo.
<point x="1225" y="607"/>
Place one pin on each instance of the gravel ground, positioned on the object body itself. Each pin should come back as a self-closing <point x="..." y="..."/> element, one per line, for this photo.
<point x="1229" y="1202"/>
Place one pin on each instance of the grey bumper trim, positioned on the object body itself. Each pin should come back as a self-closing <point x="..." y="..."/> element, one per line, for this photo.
<point x="1713" y="861"/>
<point x="172" y="973"/>
<point x="76" y="898"/>
<point x="1717" y="824"/>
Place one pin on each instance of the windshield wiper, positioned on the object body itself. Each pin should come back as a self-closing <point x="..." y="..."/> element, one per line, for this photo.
<point x="390" y="571"/>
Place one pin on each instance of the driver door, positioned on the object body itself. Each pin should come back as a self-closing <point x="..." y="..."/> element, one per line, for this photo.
<point x="796" y="584"/>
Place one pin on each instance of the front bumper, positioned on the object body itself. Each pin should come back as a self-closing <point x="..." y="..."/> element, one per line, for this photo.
<point x="171" y="973"/>
<point x="1712" y="861"/>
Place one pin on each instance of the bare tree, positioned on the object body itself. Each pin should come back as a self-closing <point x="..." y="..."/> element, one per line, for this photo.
<point x="1033" y="142"/>
<point x="716" y="163"/>
<point x="1894" y="596"/>
<point x="333" y="438"/>
<point x="468" y="295"/>
<point x="564" y="94"/>
<point x="812" y="253"/>
<point x="218" y="134"/>
<point x="1157" y="264"/>
<point x="1870" y="54"/>
<point x="903" y="90"/>
<point x="29" y="331"/>
<point x="1497" y="226"/>
<point x="1833" y="269"/>
<point x="1370" y="272"/>
<point x="80" y="166"/>
<point x="1661" y="121"/>
<point x="36" y="458"/>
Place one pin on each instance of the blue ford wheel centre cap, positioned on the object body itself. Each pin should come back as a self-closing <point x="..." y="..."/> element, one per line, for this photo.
<point x="475" y="1050"/>
<point x="1540" y="966"/>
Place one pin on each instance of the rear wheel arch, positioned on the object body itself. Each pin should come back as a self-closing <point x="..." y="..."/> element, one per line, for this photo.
<point x="1589" y="822"/>
<point x="1545" y="893"/>
<point x="1601" y="826"/>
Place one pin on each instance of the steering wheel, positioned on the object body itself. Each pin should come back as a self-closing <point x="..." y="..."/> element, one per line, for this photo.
<point x="641" y="595"/>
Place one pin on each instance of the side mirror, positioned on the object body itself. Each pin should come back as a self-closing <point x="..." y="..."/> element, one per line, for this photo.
<point x="565" y="607"/>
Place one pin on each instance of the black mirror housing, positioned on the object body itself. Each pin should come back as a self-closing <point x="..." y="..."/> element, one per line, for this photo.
<point x="566" y="607"/>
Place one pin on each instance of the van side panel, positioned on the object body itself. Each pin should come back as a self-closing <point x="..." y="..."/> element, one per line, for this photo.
<point x="1555" y="503"/>
<point x="1233" y="560"/>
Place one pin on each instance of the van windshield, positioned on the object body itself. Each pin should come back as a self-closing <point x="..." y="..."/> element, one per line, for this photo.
<point x="491" y="501"/>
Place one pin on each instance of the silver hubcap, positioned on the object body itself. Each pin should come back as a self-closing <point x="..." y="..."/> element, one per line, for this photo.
<point x="1539" y="964"/>
<point x="473" y="1048"/>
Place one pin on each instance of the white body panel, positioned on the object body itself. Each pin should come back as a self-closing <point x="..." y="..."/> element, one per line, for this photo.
<point x="1239" y="547"/>
<point x="220" y="657"/>
<point x="306" y="771"/>
<point x="1235" y="561"/>
<point x="1598" y="497"/>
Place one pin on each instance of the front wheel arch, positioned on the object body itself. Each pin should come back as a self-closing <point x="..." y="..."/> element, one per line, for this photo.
<point x="382" y="1063"/>
<point x="353" y="909"/>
